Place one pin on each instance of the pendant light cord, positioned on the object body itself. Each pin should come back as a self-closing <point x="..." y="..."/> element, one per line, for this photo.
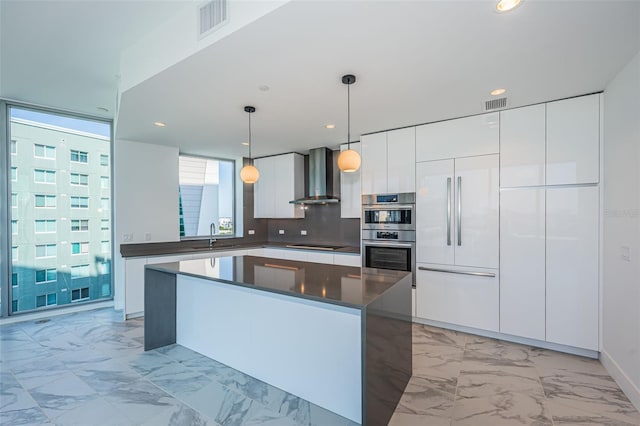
<point x="250" y="159"/>
<point x="348" y="116"/>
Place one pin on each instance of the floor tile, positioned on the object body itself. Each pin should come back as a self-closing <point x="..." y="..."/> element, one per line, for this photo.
<point x="140" y="400"/>
<point x="502" y="408"/>
<point x="31" y="416"/>
<point x="12" y="395"/>
<point x="62" y="395"/>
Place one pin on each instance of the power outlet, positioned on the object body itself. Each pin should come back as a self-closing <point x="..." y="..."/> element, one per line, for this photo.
<point x="127" y="238"/>
<point x="147" y="236"/>
<point x="625" y="253"/>
<point x="303" y="232"/>
<point x="281" y="231"/>
<point x="252" y="231"/>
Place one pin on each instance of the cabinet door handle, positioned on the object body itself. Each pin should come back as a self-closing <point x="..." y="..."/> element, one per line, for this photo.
<point x="449" y="211"/>
<point x="448" y="271"/>
<point x="459" y="211"/>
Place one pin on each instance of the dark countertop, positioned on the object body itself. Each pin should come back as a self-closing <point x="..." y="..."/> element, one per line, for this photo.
<point x="200" y="246"/>
<point x="339" y="285"/>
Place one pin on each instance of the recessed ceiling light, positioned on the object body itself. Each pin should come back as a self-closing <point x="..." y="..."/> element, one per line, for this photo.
<point x="507" y="5"/>
<point x="103" y="109"/>
<point x="159" y="124"/>
<point x="245" y="143"/>
<point x="497" y="92"/>
<point x="330" y="126"/>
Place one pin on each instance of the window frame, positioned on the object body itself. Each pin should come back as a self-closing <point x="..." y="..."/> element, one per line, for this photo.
<point x="44" y="150"/>
<point x="46" y="276"/>
<point x="46" y="222"/>
<point x="45" y="174"/>
<point x="79" y="154"/>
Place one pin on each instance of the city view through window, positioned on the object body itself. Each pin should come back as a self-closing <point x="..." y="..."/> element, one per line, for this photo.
<point x="60" y="212"/>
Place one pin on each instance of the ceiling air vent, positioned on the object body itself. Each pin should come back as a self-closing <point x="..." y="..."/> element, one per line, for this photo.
<point x="495" y="104"/>
<point x="212" y="15"/>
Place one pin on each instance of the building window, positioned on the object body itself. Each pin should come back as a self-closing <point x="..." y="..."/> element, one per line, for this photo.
<point x="103" y="268"/>
<point x="104" y="203"/>
<point x="14" y="174"/>
<point x="104" y="182"/>
<point x="80" y="248"/>
<point x="79" y="156"/>
<point x="79" y="294"/>
<point x="206" y="196"/>
<point x="14" y="279"/>
<point x="14" y="253"/>
<point x="46" y="276"/>
<point x="14" y="306"/>
<point x="46" y="250"/>
<point x="104" y="224"/>
<point x="14" y="147"/>
<point x="44" y="151"/>
<point x="14" y="227"/>
<point x="14" y="199"/>
<point x="79" y="271"/>
<point x="104" y="246"/>
<point x="104" y="160"/>
<point x="45" y="200"/>
<point x="45" y="226"/>
<point x="79" y="179"/>
<point x="44" y="176"/>
<point x="46" y="300"/>
<point x="79" y="225"/>
<point x="79" y="202"/>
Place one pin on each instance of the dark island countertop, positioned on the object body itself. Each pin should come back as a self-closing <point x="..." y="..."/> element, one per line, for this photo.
<point x="201" y="246"/>
<point x="339" y="285"/>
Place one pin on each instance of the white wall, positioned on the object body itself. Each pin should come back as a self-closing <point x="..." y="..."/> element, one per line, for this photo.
<point x="621" y="277"/>
<point x="145" y="198"/>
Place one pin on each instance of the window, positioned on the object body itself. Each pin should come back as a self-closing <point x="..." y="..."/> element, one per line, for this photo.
<point x="104" y="246"/>
<point x="104" y="160"/>
<point x="104" y="224"/>
<point x="14" y="227"/>
<point x="44" y="151"/>
<point x="79" y="225"/>
<point x="44" y="176"/>
<point x="14" y="174"/>
<point x="45" y="200"/>
<point x="46" y="300"/>
<point x="14" y="279"/>
<point x="79" y="202"/>
<point x="104" y="203"/>
<point x="104" y="182"/>
<point x="14" y="306"/>
<point x="79" y="179"/>
<point x="14" y="199"/>
<point x="46" y="250"/>
<point x="46" y="276"/>
<point x="45" y="226"/>
<point x="103" y="268"/>
<point x="14" y="253"/>
<point x="79" y="271"/>
<point x="79" y="156"/>
<point x="206" y="185"/>
<point x="79" y="294"/>
<point x="80" y="248"/>
<point x="14" y="147"/>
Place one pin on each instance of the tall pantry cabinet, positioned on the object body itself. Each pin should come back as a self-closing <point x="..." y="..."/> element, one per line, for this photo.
<point x="549" y="221"/>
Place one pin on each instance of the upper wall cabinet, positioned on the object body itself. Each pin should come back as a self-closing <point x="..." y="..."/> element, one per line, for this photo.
<point x="462" y="137"/>
<point x="388" y="161"/>
<point x="522" y="146"/>
<point x="350" y="195"/>
<point x="281" y="180"/>
<point x="573" y="140"/>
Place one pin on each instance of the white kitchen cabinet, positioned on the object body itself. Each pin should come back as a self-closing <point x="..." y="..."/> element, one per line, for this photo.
<point x="134" y="286"/>
<point x="462" y="137"/>
<point x="572" y="266"/>
<point x="345" y="259"/>
<point x="522" y="146"/>
<point x="522" y="263"/>
<point x="457" y="298"/>
<point x="401" y="154"/>
<point x="457" y="211"/>
<point x="281" y="180"/>
<point x="350" y="190"/>
<point x="388" y="162"/>
<point x="573" y="140"/>
<point x="374" y="163"/>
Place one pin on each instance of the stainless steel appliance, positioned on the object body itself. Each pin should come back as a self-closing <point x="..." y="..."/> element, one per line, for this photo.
<point x="389" y="232"/>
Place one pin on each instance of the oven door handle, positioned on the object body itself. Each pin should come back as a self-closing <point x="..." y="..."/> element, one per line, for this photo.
<point x="367" y="243"/>
<point x="388" y="207"/>
<point x="448" y="211"/>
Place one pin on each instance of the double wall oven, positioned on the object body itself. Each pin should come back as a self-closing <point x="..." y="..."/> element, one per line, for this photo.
<point x="389" y="231"/>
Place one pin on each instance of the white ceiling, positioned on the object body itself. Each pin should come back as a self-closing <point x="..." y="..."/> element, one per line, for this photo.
<point x="416" y="62"/>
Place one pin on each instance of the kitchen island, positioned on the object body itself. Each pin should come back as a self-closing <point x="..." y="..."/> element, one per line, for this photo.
<point x="337" y="336"/>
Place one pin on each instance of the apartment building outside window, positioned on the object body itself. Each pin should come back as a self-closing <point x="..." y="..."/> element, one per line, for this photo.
<point x="60" y="220"/>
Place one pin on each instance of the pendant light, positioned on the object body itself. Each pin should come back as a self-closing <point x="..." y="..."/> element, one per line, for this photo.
<point x="349" y="160"/>
<point x="249" y="173"/>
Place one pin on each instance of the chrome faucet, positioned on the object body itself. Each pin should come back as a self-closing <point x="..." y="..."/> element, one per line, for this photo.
<point x="212" y="231"/>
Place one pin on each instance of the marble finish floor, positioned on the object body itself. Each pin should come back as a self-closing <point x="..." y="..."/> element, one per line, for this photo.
<point x="90" y="369"/>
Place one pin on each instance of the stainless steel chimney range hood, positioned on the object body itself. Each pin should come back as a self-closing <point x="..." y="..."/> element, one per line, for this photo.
<point x="320" y="178"/>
